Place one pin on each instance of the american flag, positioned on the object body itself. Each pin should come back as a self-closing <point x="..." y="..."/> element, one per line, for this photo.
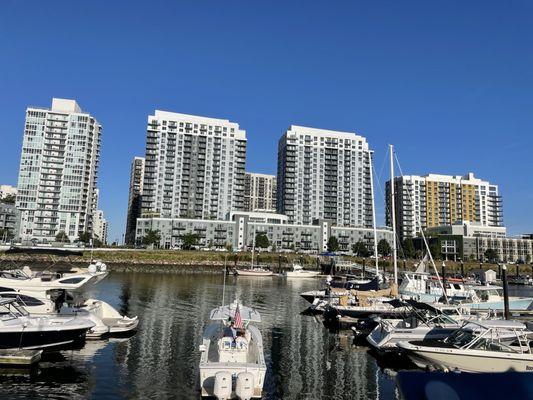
<point x="237" y="319"/>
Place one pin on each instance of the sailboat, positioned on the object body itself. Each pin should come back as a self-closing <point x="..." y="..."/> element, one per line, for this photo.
<point x="253" y="270"/>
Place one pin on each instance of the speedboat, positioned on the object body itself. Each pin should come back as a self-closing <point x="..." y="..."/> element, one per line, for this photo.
<point x="253" y="272"/>
<point x="338" y="286"/>
<point x="481" y="346"/>
<point x="20" y="330"/>
<point x="232" y="363"/>
<point x="491" y="298"/>
<point x="422" y="322"/>
<point x="107" y="320"/>
<point x="299" y="272"/>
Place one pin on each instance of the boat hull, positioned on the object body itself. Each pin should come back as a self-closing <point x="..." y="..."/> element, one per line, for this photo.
<point x="244" y="272"/>
<point x="467" y="360"/>
<point x="41" y="339"/>
<point x="302" y="274"/>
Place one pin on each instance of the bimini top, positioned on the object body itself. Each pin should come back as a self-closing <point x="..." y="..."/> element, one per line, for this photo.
<point x="223" y="313"/>
<point x="494" y="324"/>
<point x="44" y="250"/>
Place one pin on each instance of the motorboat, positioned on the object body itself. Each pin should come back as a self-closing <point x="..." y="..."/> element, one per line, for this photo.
<point x="107" y="320"/>
<point x="254" y="272"/>
<point x="480" y="346"/>
<point x="28" y="280"/>
<point x="232" y="363"/>
<point x="299" y="272"/>
<point x="422" y="322"/>
<point x="336" y="287"/>
<point x="20" y="330"/>
<point x="491" y="298"/>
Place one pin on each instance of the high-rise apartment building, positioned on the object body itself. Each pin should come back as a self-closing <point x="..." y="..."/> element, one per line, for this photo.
<point x="58" y="171"/>
<point x="435" y="200"/>
<point x="324" y="174"/>
<point x="194" y="167"/>
<point x="134" y="198"/>
<point x="259" y="192"/>
<point x="100" y="227"/>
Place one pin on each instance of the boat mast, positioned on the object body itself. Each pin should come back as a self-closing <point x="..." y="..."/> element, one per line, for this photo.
<point x="393" y="215"/>
<point x="373" y="213"/>
<point x="253" y="248"/>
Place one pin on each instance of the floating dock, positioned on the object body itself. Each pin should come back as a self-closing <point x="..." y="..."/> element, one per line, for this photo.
<point x="22" y="358"/>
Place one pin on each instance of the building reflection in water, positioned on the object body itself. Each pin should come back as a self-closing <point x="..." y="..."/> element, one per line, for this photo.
<point x="161" y="361"/>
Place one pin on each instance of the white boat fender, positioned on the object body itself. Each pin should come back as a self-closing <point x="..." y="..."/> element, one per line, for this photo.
<point x="92" y="268"/>
<point x="244" y="388"/>
<point x="222" y="388"/>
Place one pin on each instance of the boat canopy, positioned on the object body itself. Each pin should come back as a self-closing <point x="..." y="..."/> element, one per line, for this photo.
<point x="223" y="313"/>
<point x="61" y="252"/>
<point x="495" y="324"/>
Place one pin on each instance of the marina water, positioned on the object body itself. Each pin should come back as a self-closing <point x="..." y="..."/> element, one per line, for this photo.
<point x="160" y="361"/>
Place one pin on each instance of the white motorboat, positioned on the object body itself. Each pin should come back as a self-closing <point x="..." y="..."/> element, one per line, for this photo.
<point x="422" y="322"/>
<point x="28" y="280"/>
<point x="299" y="272"/>
<point x="253" y="272"/>
<point x="20" y="330"/>
<point x="476" y="347"/>
<point x="232" y="363"/>
<point x="106" y="319"/>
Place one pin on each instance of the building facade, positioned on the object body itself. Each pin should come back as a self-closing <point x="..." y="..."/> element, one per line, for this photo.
<point x="324" y="174"/>
<point x="100" y="227"/>
<point x="423" y="202"/>
<point x="239" y="232"/>
<point x="194" y="167"/>
<point x="7" y="190"/>
<point x="58" y="171"/>
<point x="9" y="222"/>
<point x="259" y="192"/>
<point x="134" y="198"/>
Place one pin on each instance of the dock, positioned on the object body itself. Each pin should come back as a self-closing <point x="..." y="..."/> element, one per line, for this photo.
<point x="22" y="358"/>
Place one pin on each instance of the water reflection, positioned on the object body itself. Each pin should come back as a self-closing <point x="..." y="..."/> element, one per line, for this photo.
<point x="304" y="361"/>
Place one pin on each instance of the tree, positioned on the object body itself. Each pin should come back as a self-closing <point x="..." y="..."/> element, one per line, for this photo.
<point x="189" y="240"/>
<point x="97" y="243"/>
<point x="274" y="248"/>
<point x="408" y="248"/>
<point x="9" y="199"/>
<point x="151" y="237"/>
<point x="528" y="258"/>
<point x="62" y="237"/>
<point x="360" y="249"/>
<point x="491" y="255"/>
<point x="85" y="237"/>
<point x="261" y="240"/>
<point x="384" y="248"/>
<point x="434" y="248"/>
<point x="333" y="244"/>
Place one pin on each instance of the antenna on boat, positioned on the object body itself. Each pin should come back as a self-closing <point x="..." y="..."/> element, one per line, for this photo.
<point x="224" y="284"/>
<point x="419" y="223"/>
<point x="373" y="213"/>
<point x="393" y="215"/>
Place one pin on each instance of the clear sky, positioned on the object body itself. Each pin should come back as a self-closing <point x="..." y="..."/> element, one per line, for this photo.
<point x="450" y="83"/>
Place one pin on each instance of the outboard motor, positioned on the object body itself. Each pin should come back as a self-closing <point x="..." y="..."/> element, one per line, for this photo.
<point x="222" y="388"/>
<point x="244" y="388"/>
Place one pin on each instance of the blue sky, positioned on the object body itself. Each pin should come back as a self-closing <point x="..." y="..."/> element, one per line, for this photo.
<point x="450" y="83"/>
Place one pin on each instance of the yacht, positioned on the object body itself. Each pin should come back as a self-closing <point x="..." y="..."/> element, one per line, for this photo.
<point x="481" y="346"/>
<point x="232" y="363"/>
<point x="107" y="320"/>
<point x="338" y="286"/>
<point x="422" y="322"/>
<point x="491" y="298"/>
<point x="20" y="330"/>
<point x="299" y="272"/>
<point x="28" y="280"/>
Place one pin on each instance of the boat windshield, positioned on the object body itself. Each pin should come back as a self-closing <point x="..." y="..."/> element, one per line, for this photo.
<point x="14" y="274"/>
<point x="460" y="338"/>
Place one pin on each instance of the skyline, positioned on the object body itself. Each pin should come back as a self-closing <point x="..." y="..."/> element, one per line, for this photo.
<point x="391" y="74"/>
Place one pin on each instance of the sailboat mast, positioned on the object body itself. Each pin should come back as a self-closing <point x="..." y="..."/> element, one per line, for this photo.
<point x="373" y="213"/>
<point x="393" y="215"/>
<point x="253" y="247"/>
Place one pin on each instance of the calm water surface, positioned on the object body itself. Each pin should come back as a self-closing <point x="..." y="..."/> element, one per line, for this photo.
<point x="161" y="361"/>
